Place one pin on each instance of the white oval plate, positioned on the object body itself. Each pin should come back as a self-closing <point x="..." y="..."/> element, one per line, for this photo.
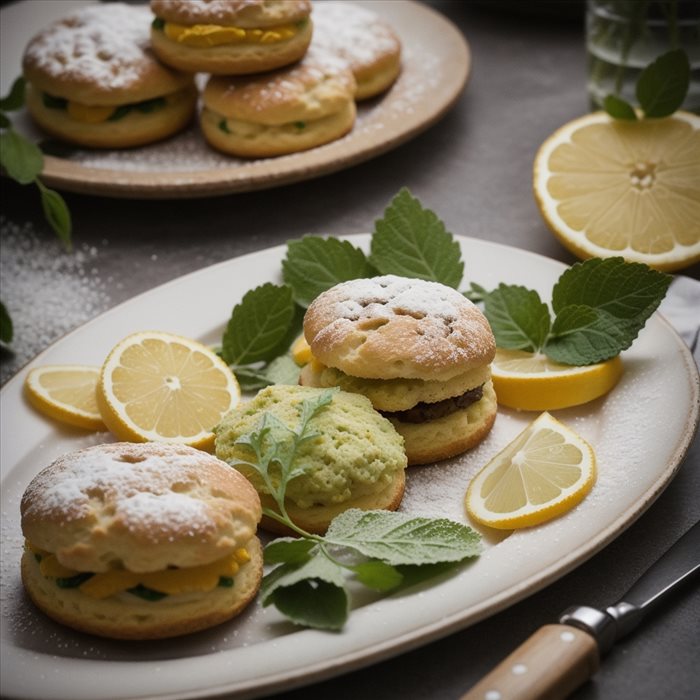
<point x="435" y="66"/>
<point x="259" y="652"/>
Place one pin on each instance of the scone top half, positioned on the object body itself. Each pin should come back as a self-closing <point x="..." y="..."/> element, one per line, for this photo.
<point x="230" y="37"/>
<point x="419" y="350"/>
<point x="94" y="80"/>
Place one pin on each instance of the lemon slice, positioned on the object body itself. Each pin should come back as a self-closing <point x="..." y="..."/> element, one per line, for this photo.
<point x="533" y="382"/>
<point x="158" y="386"/>
<point x="301" y="352"/>
<point x="544" y="472"/>
<point x="65" y="393"/>
<point x="612" y="187"/>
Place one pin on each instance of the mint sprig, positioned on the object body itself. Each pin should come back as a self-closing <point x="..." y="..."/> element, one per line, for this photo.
<point x="599" y="305"/>
<point x="380" y="549"/>
<point x="413" y="242"/>
<point x="660" y="90"/>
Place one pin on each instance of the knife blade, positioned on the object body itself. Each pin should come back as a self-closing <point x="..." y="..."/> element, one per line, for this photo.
<point x="558" y="658"/>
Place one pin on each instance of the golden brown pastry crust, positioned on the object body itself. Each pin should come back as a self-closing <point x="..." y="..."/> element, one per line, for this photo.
<point x="289" y="110"/>
<point x="391" y="327"/>
<point x="238" y="13"/>
<point x="129" y="617"/>
<point x="100" y="55"/>
<point x="360" y="37"/>
<point x="142" y="507"/>
<point x="317" y="518"/>
<point x="134" y="129"/>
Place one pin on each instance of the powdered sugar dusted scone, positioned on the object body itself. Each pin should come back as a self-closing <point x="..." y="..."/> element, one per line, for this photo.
<point x="359" y="36"/>
<point x="140" y="541"/>
<point x="356" y="459"/>
<point x="93" y="80"/>
<point x="285" y="111"/>
<point x="419" y="350"/>
<point x="230" y="37"/>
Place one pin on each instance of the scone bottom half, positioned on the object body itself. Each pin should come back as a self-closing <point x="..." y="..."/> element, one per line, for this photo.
<point x="143" y="541"/>
<point x="355" y="460"/>
<point x="419" y="350"/>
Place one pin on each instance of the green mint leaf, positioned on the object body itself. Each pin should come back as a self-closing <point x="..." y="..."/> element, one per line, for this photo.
<point x="663" y="84"/>
<point x="314" y="264"/>
<point x="412" y="242"/>
<point x="14" y="99"/>
<point x="398" y="538"/>
<point x="312" y="593"/>
<point x="6" y="327"/>
<point x="258" y="324"/>
<point x="251" y="378"/>
<point x="56" y="213"/>
<point x="519" y="318"/>
<point x="288" y="550"/>
<point x="618" y="108"/>
<point x="582" y="335"/>
<point x="21" y="158"/>
<point x="282" y="370"/>
<point x="5" y="123"/>
<point x="476" y="293"/>
<point x="378" y="575"/>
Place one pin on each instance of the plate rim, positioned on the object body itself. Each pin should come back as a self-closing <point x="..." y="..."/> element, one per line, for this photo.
<point x="411" y="639"/>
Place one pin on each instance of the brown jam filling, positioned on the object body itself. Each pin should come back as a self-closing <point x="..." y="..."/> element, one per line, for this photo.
<point x="422" y="412"/>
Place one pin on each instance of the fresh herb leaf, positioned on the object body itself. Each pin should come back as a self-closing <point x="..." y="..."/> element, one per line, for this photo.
<point x="6" y="327"/>
<point x="663" y="84"/>
<point x="288" y="550"/>
<point x="51" y="102"/>
<point x="258" y="325"/>
<point x="618" y="108"/>
<point x="399" y="538"/>
<point x="158" y="23"/>
<point x="476" y="293"/>
<point x="5" y="123"/>
<point x="314" y="264"/>
<point x="21" y="158"/>
<point x="378" y="575"/>
<point x="312" y="593"/>
<point x="223" y="126"/>
<point x="518" y="318"/>
<point x="252" y="378"/>
<point x="14" y="99"/>
<point x="56" y="213"/>
<point x="411" y="241"/>
<point x="282" y="370"/>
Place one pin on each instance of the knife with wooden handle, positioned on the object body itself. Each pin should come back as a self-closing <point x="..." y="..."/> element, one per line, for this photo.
<point x="557" y="659"/>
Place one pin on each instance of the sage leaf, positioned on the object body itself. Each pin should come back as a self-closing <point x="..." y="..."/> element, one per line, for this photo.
<point x="288" y="550"/>
<point x="663" y="84"/>
<point x="314" y="264"/>
<point x="21" y="158"/>
<point x="398" y="538"/>
<point x="411" y="241"/>
<point x="378" y="575"/>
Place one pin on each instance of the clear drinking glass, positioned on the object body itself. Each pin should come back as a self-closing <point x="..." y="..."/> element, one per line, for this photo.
<point x="624" y="36"/>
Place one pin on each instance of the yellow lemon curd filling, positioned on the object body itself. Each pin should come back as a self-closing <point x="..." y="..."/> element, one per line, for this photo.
<point x="195" y="579"/>
<point x="207" y="35"/>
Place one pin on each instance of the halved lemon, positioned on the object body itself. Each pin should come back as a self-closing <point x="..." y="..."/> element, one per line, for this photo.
<point x="65" y="393"/>
<point x="544" y="472"/>
<point x="612" y="187"/>
<point x="158" y="386"/>
<point x="532" y="382"/>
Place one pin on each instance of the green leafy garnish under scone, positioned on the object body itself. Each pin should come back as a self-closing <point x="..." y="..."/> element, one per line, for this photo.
<point x="381" y="549"/>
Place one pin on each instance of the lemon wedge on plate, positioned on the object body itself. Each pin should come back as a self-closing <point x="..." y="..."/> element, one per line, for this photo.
<point x="533" y="382"/>
<point x="544" y="472"/>
<point x="158" y="386"/>
<point x="614" y="187"/>
<point x="65" y="393"/>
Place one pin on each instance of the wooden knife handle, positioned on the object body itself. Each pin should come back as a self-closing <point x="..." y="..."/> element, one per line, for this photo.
<point x="550" y="665"/>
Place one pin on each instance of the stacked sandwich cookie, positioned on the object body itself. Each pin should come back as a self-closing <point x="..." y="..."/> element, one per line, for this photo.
<point x="420" y="351"/>
<point x="93" y="80"/>
<point x="140" y="541"/>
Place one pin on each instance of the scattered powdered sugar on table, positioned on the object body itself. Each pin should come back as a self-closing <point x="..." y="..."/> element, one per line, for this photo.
<point x="46" y="290"/>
